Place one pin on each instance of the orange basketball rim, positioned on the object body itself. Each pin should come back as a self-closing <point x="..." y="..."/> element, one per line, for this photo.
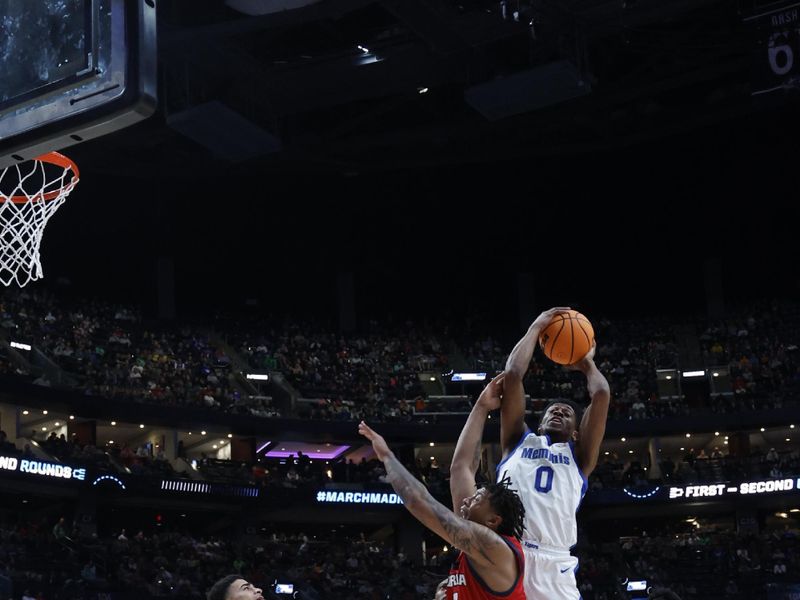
<point x="30" y="193"/>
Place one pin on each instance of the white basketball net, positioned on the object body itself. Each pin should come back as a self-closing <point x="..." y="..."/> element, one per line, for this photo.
<point x="30" y="193"/>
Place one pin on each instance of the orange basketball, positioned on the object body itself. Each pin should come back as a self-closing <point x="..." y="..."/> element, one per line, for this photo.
<point x="567" y="338"/>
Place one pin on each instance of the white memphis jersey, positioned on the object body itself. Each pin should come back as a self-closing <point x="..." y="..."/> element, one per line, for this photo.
<point x="551" y="487"/>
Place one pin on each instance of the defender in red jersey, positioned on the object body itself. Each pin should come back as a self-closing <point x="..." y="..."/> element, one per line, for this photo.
<point x="485" y="526"/>
<point x="464" y="582"/>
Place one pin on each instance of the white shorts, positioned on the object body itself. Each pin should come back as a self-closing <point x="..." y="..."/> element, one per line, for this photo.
<point x="549" y="573"/>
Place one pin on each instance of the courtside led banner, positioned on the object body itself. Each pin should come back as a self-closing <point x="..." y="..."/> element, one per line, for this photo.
<point x="694" y="492"/>
<point x="38" y="467"/>
<point x="743" y="489"/>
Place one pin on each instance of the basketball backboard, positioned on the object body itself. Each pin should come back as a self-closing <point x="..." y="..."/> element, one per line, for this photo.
<point x="73" y="70"/>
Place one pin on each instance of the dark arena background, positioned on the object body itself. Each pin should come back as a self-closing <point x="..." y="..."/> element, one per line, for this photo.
<point x="307" y="213"/>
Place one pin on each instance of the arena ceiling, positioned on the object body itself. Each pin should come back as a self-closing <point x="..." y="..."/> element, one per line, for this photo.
<point x="353" y="86"/>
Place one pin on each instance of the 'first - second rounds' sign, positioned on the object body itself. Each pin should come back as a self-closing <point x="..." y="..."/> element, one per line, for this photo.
<point x="750" y="488"/>
<point x="38" y="467"/>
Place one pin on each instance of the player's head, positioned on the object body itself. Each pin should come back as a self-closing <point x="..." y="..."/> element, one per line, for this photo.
<point x="497" y="507"/>
<point x="561" y="419"/>
<point x="234" y="587"/>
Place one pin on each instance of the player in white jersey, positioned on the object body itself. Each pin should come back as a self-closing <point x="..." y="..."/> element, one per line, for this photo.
<point x="549" y="467"/>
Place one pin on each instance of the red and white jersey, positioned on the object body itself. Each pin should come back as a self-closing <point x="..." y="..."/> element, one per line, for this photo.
<point x="464" y="583"/>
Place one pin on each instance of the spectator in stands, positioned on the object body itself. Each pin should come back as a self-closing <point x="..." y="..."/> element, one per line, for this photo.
<point x="667" y="468"/>
<point x="772" y="456"/>
<point x="638" y="410"/>
<point x="6" y="447"/>
<point x="89" y="571"/>
<point x="60" y="530"/>
<point x="42" y="380"/>
<point x="233" y="587"/>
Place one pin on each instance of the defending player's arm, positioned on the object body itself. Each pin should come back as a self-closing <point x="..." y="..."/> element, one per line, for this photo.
<point x="483" y="546"/>
<point x="467" y="455"/>
<point x="441" y="590"/>
<point x="593" y="423"/>
<point x="512" y="410"/>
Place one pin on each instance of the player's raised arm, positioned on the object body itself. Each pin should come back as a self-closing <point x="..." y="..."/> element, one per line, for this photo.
<point x="512" y="410"/>
<point x="593" y="423"/>
<point x="483" y="546"/>
<point x="467" y="455"/>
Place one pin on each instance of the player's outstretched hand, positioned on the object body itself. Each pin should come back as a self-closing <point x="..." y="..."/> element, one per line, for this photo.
<point x="378" y="443"/>
<point x="492" y="393"/>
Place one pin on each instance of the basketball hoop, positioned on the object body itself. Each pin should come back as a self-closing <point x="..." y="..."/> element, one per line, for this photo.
<point x="30" y="193"/>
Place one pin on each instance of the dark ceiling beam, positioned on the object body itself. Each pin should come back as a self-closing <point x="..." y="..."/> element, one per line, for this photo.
<point x="435" y="27"/>
<point x="528" y="133"/>
<point x="606" y="17"/>
<point x="482" y="29"/>
<point x="186" y="38"/>
<point x="400" y="70"/>
<point x="488" y="149"/>
<point x="450" y="32"/>
<point x="346" y="126"/>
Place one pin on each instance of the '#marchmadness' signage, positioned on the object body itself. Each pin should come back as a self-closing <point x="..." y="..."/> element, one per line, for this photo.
<point x="37" y="467"/>
<point x="336" y="497"/>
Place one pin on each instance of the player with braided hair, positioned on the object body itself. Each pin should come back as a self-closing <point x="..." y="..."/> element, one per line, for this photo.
<point x="485" y="526"/>
<point x="506" y="501"/>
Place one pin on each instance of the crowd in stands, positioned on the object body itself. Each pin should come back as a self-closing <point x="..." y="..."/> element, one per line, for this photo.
<point x="59" y="562"/>
<point x="711" y="561"/>
<point x="381" y="364"/>
<point x="297" y="471"/>
<point x="300" y="471"/>
<point x="52" y="559"/>
<point x="692" y="468"/>
<point x="760" y="347"/>
<point x="143" y="459"/>
<point x="73" y="453"/>
<point x="611" y="472"/>
<point x="110" y="350"/>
